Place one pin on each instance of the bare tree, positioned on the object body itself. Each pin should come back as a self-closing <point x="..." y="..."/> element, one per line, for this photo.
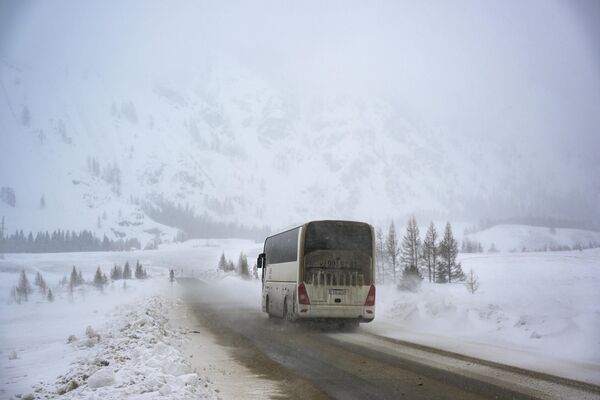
<point x="472" y="282"/>
<point x="379" y="253"/>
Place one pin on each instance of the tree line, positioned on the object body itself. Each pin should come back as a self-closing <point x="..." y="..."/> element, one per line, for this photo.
<point x="194" y="226"/>
<point x="242" y="267"/>
<point x="23" y="289"/>
<point x="408" y="260"/>
<point x="63" y="241"/>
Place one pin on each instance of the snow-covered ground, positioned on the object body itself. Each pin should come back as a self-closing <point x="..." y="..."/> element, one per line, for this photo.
<point x="129" y="319"/>
<point x="534" y="310"/>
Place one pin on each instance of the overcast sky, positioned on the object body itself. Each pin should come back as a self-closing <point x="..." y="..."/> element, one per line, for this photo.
<point x="534" y="65"/>
<point x="528" y="71"/>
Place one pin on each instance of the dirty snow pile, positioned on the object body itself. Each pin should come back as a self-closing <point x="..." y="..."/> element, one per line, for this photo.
<point x="136" y="355"/>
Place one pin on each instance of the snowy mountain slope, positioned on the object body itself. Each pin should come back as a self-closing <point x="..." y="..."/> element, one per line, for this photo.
<point x="238" y="149"/>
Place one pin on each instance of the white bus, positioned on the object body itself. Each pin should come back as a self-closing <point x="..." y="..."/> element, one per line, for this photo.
<point x="320" y="270"/>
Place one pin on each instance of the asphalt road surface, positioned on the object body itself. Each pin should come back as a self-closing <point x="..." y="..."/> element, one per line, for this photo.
<point x="316" y="361"/>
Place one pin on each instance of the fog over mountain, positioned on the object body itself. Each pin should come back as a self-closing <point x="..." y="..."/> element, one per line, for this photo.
<point x="270" y="113"/>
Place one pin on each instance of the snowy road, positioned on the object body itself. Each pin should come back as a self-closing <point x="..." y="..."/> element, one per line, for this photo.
<point x="313" y="362"/>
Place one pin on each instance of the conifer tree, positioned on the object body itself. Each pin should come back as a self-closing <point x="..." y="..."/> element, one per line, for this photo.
<point x="127" y="271"/>
<point x="243" y="267"/>
<point x="99" y="279"/>
<point x="450" y="270"/>
<point x="50" y="296"/>
<point x="74" y="279"/>
<point x="392" y="249"/>
<point x="23" y="288"/>
<point x="410" y="255"/>
<point x="139" y="274"/>
<point x="222" y="262"/>
<point x="430" y="251"/>
<point x="116" y="273"/>
<point x="40" y="283"/>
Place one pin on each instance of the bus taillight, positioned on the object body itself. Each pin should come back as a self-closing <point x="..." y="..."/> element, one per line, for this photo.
<point x="370" y="297"/>
<point x="302" y="294"/>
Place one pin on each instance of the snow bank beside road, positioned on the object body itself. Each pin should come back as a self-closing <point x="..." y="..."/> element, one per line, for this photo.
<point x="33" y="334"/>
<point x="136" y="357"/>
<point x="534" y="310"/>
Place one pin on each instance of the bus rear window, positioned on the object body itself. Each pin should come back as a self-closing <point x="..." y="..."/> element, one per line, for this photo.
<point x="338" y="235"/>
<point x="338" y="253"/>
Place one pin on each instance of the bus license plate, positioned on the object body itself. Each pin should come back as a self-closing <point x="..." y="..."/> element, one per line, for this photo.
<point x="337" y="292"/>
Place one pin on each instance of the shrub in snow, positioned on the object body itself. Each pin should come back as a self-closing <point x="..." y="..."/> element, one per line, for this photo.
<point x="72" y="385"/>
<point x="12" y="355"/>
<point x="91" y="333"/>
<point x="71" y="339"/>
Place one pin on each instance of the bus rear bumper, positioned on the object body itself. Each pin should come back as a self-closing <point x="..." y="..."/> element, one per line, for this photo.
<point x="362" y="313"/>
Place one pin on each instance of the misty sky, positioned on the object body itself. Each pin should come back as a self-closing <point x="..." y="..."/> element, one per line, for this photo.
<point x="528" y="71"/>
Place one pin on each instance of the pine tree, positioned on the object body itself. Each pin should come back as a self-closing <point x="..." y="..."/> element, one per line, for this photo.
<point x="116" y="273"/>
<point x="80" y="280"/>
<point x="98" y="279"/>
<point x="74" y="279"/>
<point x="50" y="296"/>
<point x="230" y="266"/>
<point x="222" y="262"/>
<point x="41" y="283"/>
<point x="392" y="249"/>
<point x="23" y="289"/>
<point x="450" y="271"/>
<point x="139" y="273"/>
<point x="430" y="251"/>
<point x="127" y="271"/>
<point x="243" y="268"/>
<point x="410" y="255"/>
<point x="42" y="202"/>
